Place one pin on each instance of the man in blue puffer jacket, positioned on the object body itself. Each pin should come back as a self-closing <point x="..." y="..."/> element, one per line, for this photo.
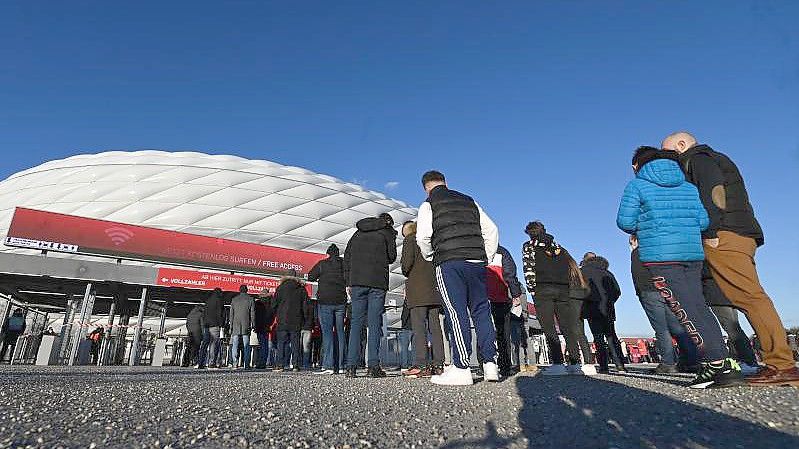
<point x="665" y="213"/>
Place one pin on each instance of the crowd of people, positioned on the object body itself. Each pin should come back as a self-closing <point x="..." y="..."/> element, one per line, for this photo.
<point x="692" y="235"/>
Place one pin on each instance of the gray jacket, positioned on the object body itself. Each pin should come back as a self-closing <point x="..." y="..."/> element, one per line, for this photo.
<point x="242" y="314"/>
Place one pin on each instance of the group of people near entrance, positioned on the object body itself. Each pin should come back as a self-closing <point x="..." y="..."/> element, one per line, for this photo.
<point x="693" y="236"/>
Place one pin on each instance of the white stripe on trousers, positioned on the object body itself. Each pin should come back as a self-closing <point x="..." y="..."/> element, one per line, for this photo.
<point x="460" y="343"/>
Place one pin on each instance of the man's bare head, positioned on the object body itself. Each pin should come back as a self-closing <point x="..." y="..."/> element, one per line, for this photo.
<point x="680" y="142"/>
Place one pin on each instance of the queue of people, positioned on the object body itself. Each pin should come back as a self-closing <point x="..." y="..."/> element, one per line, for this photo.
<point x="692" y="235"/>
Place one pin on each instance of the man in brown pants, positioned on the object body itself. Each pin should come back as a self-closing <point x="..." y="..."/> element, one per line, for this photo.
<point x="730" y="243"/>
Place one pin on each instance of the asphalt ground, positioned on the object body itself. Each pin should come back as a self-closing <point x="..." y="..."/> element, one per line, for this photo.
<point x="146" y="407"/>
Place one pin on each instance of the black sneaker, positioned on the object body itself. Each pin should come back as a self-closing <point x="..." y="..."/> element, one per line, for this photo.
<point x="375" y="372"/>
<point x="728" y="374"/>
<point x="351" y="372"/>
<point x="665" y="368"/>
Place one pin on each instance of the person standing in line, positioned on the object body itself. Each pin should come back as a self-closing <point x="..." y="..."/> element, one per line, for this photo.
<point x="665" y="213"/>
<point x="264" y="317"/>
<point x="423" y="300"/>
<point x="547" y="272"/>
<point x="242" y="321"/>
<point x="332" y="298"/>
<point x="504" y="293"/>
<point x="367" y="257"/>
<point x="663" y="321"/>
<point x="578" y="293"/>
<point x="308" y="325"/>
<point x="600" y="310"/>
<point x="730" y="242"/>
<point x="211" y="333"/>
<point x="459" y="238"/>
<point x="194" y="326"/>
<point x="290" y="299"/>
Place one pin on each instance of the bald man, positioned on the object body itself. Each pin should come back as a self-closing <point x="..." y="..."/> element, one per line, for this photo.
<point x="730" y="243"/>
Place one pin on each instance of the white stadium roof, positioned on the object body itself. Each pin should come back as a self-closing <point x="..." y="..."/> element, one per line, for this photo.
<point x="220" y="196"/>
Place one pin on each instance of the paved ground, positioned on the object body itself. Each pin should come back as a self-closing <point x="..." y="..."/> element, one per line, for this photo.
<point x="171" y="407"/>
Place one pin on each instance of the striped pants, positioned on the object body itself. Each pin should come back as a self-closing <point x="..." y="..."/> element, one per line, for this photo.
<point x="465" y="298"/>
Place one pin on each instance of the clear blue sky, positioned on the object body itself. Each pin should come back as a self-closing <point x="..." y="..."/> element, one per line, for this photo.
<point x="534" y="108"/>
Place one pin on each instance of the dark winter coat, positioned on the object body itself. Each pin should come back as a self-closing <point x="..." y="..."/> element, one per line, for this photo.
<point x="195" y="320"/>
<point x="605" y="291"/>
<point x="706" y="168"/>
<point x="457" y="234"/>
<point x="642" y="279"/>
<point x="242" y="314"/>
<point x="264" y="314"/>
<point x="369" y="253"/>
<point x="420" y="287"/>
<point x="290" y="299"/>
<point x="213" y="310"/>
<point x="329" y="273"/>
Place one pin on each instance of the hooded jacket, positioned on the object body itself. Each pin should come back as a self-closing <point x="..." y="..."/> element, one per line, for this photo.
<point x="213" y="310"/>
<point x="706" y="169"/>
<point x="264" y="314"/>
<point x="665" y="212"/>
<point x="420" y="287"/>
<point x="290" y="299"/>
<point x="545" y="263"/>
<point x="329" y="273"/>
<point x="369" y="253"/>
<point x="605" y="291"/>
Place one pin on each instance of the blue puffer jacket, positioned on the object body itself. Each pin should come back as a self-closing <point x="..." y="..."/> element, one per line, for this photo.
<point x="665" y="212"/>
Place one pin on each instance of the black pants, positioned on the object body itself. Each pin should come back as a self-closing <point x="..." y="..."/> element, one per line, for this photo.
<point x="193" y="342"/>
<point x="606" y="342"/>
<point x="9" y="342"/>
<point x="292" y="337"/>
<point x="422" y="319"/>
<point x="552" y="303"/>
<point x="500" y="311"/>
<point x="582" y="340"/>
<point x="737" y="341"/>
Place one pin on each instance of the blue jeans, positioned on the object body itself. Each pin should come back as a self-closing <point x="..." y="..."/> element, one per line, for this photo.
<point x="368" y="307"/>
<point x="404" y="337"/>
<point x="209" y="352"/>
<point x="666" y="326"/>
<point x="263" y="349"/>
<point x="246" y="351"/>
<point x="330" y="317"/>
<point x="306" y="348"/>
<point x="680" y="284"/>
<point x="463" y="290"/>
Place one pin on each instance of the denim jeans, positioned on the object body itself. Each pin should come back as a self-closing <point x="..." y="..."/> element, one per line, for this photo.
<point x="246" y="350"/>
<point x="285" y="337"/>
<point x="210" y="350"/>
<point x="306" y="349"/>
<point x="331" y="316"/>
<point x="404" y="337"/>
<point x="368" y="307"/>
<point x="666" y="325"/>
<point x="263" y="349"/>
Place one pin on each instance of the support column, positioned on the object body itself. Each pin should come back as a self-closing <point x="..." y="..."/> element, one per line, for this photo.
<point x="134" y="350"/>
<point x="109" y="327"/>
<point x="162" y="328"/>
<point x="87" y="305"/>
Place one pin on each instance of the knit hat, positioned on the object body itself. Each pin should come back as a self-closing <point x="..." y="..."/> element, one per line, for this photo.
<point x="333" y="250"/>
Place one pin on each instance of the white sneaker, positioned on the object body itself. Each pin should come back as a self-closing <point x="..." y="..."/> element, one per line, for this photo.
<point x="749" y="370"/>
<point x="555" y="370"/>
<point x="325" y="372"/>
<point x="589" y="370"/>
<point x="454" y="376"/>
<point x="490" y="372"/>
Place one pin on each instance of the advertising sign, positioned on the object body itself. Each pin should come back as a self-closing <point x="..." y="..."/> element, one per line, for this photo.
<point x="50" y="231"/>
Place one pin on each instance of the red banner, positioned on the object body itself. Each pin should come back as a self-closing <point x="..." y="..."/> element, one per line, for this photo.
<point x="68" y="233"/>
<point x="205" y="280"/>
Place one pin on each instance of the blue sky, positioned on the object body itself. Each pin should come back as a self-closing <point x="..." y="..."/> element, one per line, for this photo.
<point x="533" y="108"/>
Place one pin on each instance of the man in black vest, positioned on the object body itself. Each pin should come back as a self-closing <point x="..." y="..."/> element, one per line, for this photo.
<point x="459" y="238"/>
<point x="730" y="244"/>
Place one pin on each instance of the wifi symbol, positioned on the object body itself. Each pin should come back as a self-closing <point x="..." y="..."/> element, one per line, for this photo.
<point x="118" y="235"/>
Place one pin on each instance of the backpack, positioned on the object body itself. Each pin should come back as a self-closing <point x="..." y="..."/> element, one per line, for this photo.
<point x="16" y="323"/>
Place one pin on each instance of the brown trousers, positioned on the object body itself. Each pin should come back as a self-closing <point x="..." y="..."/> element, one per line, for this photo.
<point x="733" y="268"/>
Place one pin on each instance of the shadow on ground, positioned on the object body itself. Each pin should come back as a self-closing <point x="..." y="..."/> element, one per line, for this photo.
<point x="594" y="413"/>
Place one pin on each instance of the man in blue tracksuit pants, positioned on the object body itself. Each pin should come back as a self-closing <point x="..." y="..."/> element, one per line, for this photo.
<point x="459" y="238"/>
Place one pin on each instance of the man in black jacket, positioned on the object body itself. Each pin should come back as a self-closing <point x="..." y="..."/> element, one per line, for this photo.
<point x="194" y="327"/>
<point x="264" y="317"/>
<point x="369" y="253"/>
<point x="601" y="310"/>
<point x="730" y="243"/>
<point x="331" y="295"/>
<point x="213" y="324"/>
